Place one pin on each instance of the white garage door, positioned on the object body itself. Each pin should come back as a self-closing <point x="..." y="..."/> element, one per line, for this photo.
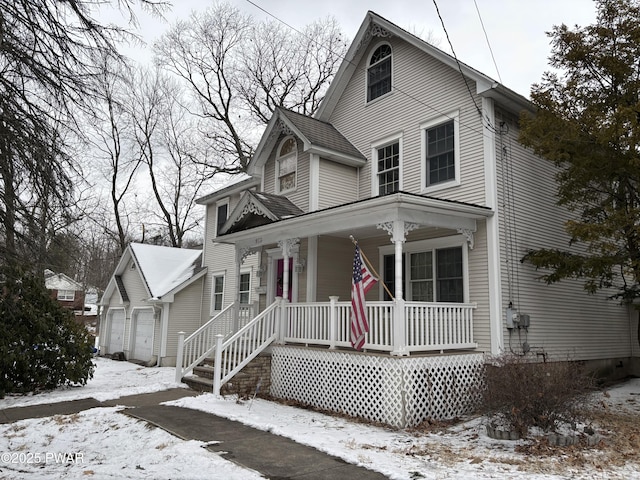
<point x="117" y="331"/>
<point x="143" y="342"/>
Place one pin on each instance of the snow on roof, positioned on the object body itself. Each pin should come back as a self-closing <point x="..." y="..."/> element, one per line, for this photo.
<point x="60" y="281"/>
<point x="164" y="268"/>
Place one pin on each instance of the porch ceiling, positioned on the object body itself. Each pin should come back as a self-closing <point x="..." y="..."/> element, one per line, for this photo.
<point x="362" y="217"/>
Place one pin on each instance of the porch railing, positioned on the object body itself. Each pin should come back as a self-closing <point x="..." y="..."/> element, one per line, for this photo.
<point x="426" y="326"/>
<point x="398" y="327"/>
<point x="200" y="344"/>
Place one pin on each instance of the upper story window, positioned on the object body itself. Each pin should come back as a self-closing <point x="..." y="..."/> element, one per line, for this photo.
<point x="387" y="162"/>
<point x="222" y="213"/>
<point x="441" y="153"/>
<point x="379" y="73"/>
<point x="389" y="169"/>
<point x="286" y="165"/>
<point x="66" y="295"/>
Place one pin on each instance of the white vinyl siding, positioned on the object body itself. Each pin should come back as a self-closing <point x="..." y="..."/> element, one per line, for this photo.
<point x="566" y="322"/>
<point x="185" y="316"/>
<point x="338" y="184"/>
<point x="440" y="89"/>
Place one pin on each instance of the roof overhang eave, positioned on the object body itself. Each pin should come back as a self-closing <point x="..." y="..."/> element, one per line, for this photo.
<point x="379" y="210"/>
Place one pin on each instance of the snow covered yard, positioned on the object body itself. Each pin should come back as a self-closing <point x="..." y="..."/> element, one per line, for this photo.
<point x="102" y="443"/>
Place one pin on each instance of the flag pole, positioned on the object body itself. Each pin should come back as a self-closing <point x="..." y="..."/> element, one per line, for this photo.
<point x="355" y="242"/>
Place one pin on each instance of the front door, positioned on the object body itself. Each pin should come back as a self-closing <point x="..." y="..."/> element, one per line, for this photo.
<point x="280" y="278"/>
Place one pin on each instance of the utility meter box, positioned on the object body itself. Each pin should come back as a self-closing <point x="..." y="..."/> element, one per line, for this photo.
<point x="524" y="320"/>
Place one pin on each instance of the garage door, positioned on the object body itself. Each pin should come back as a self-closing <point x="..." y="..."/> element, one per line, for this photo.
<point x="117" y="331"/>
<point x="143" y="342"/>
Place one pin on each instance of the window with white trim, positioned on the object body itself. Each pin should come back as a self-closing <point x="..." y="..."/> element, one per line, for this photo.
<point x="435" y="273"/>
<point x="286" y="165"/>
<point x="217" y="293"/>
<point x="66" y="295"/>
<point x="441" y="152"/>
<point x="379" y="73"/>
<point x="387" y="161"/>
<point x="245" y="288"/>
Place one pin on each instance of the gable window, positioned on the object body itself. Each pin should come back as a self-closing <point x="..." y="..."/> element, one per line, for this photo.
<point x="245" y="285"/>
<point x="66" y="295"/>
<point x="217" y="293"/>
<point x="286" y="165"/>
<point x="441" y="153"/>
<point x="222" y="213"/>
<point x="379" y="73"/>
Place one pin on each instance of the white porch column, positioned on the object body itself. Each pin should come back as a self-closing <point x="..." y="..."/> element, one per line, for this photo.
<point x="287" y="247"/>
<point x="398" y="231"/>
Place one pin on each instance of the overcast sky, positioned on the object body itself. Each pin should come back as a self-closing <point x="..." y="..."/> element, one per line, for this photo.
<point x="515" y="28"/>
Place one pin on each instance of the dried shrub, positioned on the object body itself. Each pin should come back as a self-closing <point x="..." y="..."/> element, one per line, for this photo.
<point x="520" y="394"/>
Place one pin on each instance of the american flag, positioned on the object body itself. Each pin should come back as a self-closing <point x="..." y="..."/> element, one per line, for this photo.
<point x="361" y="283"/>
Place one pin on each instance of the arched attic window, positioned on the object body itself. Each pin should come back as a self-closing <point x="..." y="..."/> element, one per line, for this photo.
<point x="379" y="73"/>
<point x="286" y="165"/>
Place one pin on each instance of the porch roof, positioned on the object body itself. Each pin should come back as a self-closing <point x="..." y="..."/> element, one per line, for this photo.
<point x="363" y="214"/>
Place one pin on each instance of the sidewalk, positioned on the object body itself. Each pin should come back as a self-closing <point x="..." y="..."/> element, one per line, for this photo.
<point x="272" y="455"/>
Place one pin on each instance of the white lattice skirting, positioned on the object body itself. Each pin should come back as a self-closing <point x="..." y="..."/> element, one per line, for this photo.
<point x="397" y="391"/>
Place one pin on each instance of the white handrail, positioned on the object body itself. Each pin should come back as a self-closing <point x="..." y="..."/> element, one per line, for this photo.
<point x="244" y="345"/>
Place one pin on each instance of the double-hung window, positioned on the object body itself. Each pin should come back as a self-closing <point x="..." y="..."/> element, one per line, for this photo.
<point x="387" y="161"/>
<point x="217" y="293"/>
<point x="440" y="146"/>
<point x="244" y="287"/>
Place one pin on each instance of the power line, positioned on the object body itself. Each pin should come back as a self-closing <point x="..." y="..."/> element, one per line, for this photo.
<point x="394" y="87"/>
<point x="456" y="57"/>
<point x="488" y="43"/>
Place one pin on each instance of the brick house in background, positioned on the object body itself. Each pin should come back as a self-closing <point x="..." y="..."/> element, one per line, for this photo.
<point x="68" y="292"/>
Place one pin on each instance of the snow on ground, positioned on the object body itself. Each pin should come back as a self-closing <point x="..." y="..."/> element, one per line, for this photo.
<point x="111" y="379"/>
<point x="111" y="445"/>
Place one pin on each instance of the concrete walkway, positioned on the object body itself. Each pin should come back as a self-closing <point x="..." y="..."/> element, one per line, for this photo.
<point x="274" y="456"/>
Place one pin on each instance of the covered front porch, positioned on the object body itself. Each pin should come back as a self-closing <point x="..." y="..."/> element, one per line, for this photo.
<point x="421" y="248"/>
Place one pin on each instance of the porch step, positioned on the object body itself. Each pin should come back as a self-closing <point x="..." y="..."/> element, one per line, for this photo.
<point x="204" y="371"/>
<point x="199" y="384"/>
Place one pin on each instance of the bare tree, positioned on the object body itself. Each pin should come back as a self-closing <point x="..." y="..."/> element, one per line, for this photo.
<point x="169" y="142"/>
<point x="239" y="71"/>
<point x="47" y="66"/>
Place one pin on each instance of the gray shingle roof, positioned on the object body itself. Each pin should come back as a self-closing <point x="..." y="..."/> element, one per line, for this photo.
<point x="321" y="134"/>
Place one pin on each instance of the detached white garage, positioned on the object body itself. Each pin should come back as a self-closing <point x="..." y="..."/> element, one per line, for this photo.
<point x="143" y="328"/>
<point x="154" y="293"/>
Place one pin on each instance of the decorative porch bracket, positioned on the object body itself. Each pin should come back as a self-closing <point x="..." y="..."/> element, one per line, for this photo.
<point x="398" y="230"/>
<point x="468" y="235"/>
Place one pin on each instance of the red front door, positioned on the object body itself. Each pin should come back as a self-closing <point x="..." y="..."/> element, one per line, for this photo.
<point x="280" y="278"/>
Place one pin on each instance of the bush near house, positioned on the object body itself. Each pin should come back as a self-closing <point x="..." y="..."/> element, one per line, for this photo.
<point x="41" y="346"/>
<point x="520" y="394"/>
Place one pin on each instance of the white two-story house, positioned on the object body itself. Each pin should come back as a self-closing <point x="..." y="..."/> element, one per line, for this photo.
<point x="416" y="157"/>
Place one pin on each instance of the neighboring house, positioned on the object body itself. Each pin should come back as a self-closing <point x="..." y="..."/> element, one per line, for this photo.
<point x="154" y="293"/>
<point x="417" y="157"/>
<point x="68" y="292"/>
